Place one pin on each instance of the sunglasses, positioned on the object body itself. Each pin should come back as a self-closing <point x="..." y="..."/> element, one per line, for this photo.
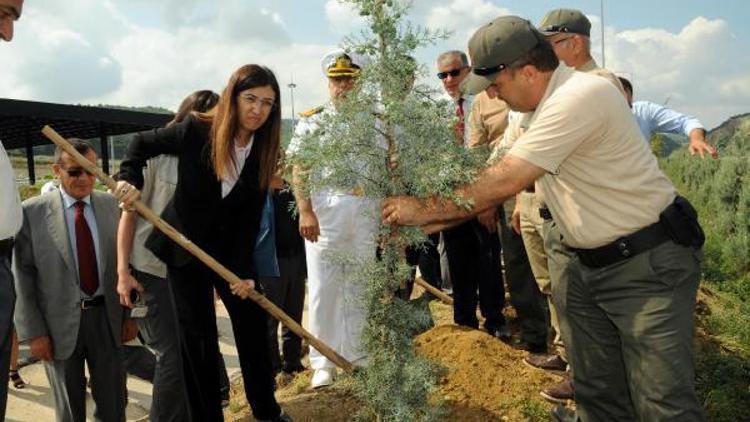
<point x="77" y="172"/>
<point x="453" y="73"/>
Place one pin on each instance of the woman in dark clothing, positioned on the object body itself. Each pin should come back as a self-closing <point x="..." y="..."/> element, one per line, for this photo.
<point x="226" y="160"/>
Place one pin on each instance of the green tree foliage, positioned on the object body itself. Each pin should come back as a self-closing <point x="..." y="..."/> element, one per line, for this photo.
<point x="417" y="155"/>
<point x="721" y="191"/>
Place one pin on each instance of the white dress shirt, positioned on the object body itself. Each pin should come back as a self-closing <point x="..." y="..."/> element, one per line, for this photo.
<point x="70" y="220"/>
<point x="240" y="156"/>
<point x="11" y="215"/>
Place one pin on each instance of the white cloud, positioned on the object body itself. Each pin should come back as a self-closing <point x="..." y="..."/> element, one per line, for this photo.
<point x="343" y="17"/>
<point x="53" y="58"/>
<point x="738" y="86"/>
<point x="463" y="17"/>
<point x="89" y="51"/>
<point x="689" y="68"/>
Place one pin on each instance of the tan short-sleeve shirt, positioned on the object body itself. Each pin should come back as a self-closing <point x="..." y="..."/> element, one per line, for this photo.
<point x="603" y="182"/>
<point x="594" y="69"/>
<point x="488" y="120"/>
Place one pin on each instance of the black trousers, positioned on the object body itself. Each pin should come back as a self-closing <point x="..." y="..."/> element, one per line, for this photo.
<point x="193" y="286"/>
<point x="288" y="293"/>
<point x="7" y="306"/>
<point x="429" y="261"/>
<point x="474" y="261"/>
<point x="160" y="331"/>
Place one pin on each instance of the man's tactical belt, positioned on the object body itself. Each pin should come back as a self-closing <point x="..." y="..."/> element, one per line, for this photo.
<point x="544" y="213"/>
<point x="624" y="247"/>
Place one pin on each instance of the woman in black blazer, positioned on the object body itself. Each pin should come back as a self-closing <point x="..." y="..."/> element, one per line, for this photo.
<point x="226" y="160"/>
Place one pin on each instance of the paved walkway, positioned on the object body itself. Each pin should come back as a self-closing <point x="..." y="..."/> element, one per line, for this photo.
<point x="34" y="403"/>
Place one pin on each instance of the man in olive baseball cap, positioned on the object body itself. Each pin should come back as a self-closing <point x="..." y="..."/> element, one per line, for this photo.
<point x="496" y="45"/>
<point x="576" y="141"/>
<point x="565" y="20"/>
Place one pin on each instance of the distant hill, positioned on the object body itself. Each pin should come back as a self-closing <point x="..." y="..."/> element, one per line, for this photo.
<point x="669" y="143"/>
<point x="732" y="131"/>
<point x="734" y="127"/>
<point x="145" y="109"/>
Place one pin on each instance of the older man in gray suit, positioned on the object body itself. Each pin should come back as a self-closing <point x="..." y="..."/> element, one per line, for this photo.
<point x="67" y="307"/>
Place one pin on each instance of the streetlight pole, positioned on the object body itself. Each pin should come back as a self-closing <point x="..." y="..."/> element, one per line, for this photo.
<point x="601" y="6"/>
<point x="291" y="87"/>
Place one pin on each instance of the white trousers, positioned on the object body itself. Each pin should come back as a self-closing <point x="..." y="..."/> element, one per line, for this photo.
<point x="348" y="228"/>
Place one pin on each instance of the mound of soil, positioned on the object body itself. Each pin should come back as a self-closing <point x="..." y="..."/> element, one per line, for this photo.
<point x="331" y="404"/>
<point x="486" y="379"/>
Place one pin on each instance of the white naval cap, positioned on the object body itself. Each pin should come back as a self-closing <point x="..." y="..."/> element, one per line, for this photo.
<point x="342" y="63"/>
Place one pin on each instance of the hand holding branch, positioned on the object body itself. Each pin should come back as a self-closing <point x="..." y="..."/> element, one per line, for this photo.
<point x="127" y="194"/>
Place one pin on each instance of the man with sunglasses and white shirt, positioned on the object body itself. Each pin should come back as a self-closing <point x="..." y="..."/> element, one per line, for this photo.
<point x="472" y="248"/>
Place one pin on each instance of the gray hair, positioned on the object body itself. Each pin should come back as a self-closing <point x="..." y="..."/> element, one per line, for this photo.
<point x="83" y="147"/>
<point x="448" y="56"/>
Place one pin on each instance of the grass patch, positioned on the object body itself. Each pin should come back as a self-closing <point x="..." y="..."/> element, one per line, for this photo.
<point x="722" y="356"/>
<point x="534" y="410"/>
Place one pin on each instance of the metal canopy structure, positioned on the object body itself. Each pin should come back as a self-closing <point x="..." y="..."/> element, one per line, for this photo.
<point x="21" y="123"/>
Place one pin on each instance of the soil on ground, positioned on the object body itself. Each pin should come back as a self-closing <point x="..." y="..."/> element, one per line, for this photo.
<point x="485" y="380"/>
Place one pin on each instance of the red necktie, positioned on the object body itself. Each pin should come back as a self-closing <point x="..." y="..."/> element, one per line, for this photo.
<point x="88" y="271"/>
<point x="460" y="125"/>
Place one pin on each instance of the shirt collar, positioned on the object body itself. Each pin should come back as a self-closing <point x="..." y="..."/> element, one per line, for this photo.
<point x="559" y="76"/>
<point x="69" y="201"/>
<point x="238" y="150"/>
<point x="588" y="66"/>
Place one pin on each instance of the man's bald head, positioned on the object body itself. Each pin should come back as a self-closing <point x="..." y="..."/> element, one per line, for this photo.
<point x="10" y="11"/>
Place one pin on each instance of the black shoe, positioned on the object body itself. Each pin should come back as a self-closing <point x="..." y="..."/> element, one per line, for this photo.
<point x="530" y="347"/>
<point x="502" y="332"/>
<point x="293" y="369"/>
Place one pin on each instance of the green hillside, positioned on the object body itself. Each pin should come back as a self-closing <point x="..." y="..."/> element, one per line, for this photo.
<point x="720" y="190"/>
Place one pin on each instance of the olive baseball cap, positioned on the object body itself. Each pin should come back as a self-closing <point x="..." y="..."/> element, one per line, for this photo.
<point x="565" y="20"/>
<point x="496" y="45"/>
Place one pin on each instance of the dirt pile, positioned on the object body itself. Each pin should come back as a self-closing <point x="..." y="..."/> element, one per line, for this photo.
<point x="486" y="379"/>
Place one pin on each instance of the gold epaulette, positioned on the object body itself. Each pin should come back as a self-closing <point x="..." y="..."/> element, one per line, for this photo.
<point x="312" y="111"/>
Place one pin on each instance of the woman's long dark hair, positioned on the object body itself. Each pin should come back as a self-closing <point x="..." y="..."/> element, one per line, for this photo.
<point x="225" y="120"/>
<point x="199" y="101"/>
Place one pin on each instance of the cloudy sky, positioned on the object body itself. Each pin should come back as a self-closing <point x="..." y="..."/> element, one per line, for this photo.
<point x="692" y="54"/>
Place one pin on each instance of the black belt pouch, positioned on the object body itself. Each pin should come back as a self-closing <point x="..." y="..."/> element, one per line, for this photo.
<point x="680" y="220"/>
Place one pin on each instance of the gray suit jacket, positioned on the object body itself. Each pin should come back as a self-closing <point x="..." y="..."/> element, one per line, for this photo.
<point x="47" y="285"/>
